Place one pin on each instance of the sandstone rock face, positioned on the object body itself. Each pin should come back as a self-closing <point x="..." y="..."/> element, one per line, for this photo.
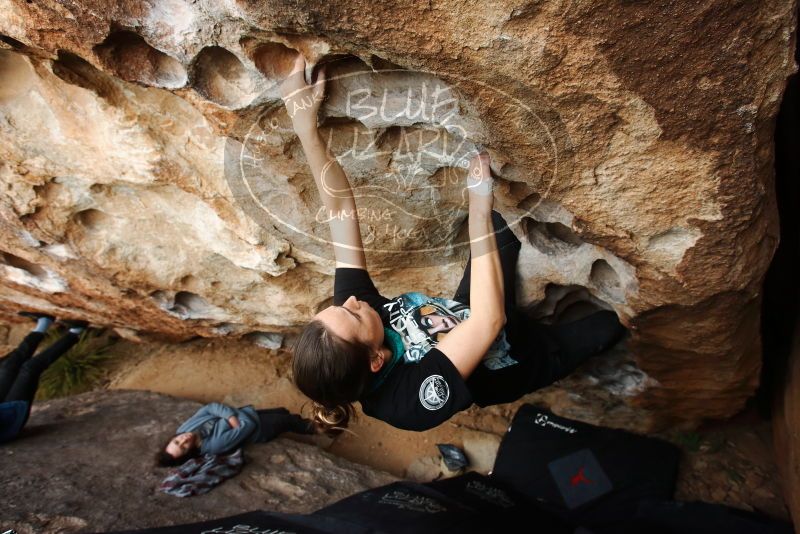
<point x="85" y="463"/>
<point x="152" y="181"/>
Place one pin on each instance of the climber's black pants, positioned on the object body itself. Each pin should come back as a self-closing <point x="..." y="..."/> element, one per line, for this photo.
<point x="546" y="353"/>
<point x="10" y="364"/>
<point x="276" y="421"/>
<point x="19" y="373"/>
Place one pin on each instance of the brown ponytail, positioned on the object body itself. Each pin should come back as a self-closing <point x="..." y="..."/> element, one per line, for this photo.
<point x="331" y="371"/>
<point x="332" y="422"/>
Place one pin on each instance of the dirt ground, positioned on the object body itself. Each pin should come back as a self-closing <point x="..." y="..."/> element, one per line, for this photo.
<point x="730" y="463"/>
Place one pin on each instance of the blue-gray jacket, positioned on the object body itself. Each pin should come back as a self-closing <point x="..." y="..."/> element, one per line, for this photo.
<point x="221" y="436"/>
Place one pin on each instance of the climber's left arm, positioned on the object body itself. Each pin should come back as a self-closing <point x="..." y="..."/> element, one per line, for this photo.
<point x="339" y="206"/>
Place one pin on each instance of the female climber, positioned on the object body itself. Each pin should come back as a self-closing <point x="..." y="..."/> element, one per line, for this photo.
<point x="218" y="429"/>
<point x="414" y="361"/>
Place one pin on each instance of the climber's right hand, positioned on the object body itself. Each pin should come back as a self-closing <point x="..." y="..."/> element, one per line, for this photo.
<point x="480" y="185"/>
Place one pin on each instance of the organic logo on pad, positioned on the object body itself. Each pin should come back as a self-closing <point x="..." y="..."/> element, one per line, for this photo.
<point x="544" y="420"/>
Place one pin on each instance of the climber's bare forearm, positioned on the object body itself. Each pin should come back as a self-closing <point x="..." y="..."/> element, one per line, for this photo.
<point x="337" y="199"/>
<point x="486" y="283"/>
<point x="332" y="183"/>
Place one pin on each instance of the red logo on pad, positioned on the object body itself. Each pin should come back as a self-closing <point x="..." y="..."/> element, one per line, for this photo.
<point x="580" y="477"/>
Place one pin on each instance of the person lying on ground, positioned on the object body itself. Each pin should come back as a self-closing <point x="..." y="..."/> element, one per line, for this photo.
<point x="217" y="428"/>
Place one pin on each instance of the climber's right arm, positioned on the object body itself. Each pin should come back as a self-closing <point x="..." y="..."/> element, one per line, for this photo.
<point x="339" y="207"/>
<point x="467" y="343"/>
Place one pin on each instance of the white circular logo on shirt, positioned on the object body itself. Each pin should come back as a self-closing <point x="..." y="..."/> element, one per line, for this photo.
<point x="434" y="392"/>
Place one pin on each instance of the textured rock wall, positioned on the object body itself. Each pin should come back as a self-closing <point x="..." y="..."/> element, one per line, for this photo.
<point x="152" y="183"/>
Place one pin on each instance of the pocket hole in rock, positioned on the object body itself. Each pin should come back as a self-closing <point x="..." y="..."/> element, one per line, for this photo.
<point x="92" y="219"/>
<point x="22" y="271"/>
<point x="562" y="304"/>
<point x="129" y="56"/>
<point x="186" y="305"/>
<point x="162" y="298"/>
<point x="274" y="60"/>
<point x="379" y="63"/>
<point x="20" y="263"/>
<point x="530" y="202"/>
<point x="550" y="237"/>
<point x="345" y="69"/>
<point x="606" y="279"/>
<point x="75" y="70"/>
<point x="191" y="302"/>
<point x="520" y="190"/>
<point x="190" y="282"/>
<point x="218" y="75"/>
<point x="226" y="329"/>
<point x="266" y="340"/>
<point x="10" y="41"/>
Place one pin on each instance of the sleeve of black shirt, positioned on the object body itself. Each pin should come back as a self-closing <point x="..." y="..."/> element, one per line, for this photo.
<point x="419" y="396"/>
<point x="352" y="281"/>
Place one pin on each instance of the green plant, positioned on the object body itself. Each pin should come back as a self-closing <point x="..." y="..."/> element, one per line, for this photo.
<point x="735" y="475"/>
<point x="78" y="370"/>
<point x="691" y="441"/>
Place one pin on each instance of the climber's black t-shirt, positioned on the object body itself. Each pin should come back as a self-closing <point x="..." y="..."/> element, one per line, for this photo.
<point x="424" y="389"/>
